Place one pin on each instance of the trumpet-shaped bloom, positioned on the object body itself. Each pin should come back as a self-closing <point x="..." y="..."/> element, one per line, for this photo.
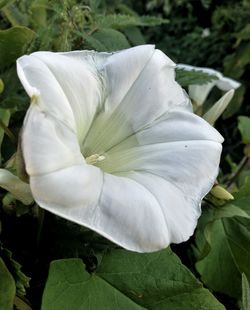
<point x="110" y="142"/>
<point x="199" y="93"/>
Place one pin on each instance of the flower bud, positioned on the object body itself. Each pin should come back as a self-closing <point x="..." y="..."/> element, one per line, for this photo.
<point x="221" y="193"/>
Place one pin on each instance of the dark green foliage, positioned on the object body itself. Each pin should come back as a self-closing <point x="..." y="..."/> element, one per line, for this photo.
<point x="185" y="78"/>
<point x="7" y="287"/>
<point x="126" y="280"/>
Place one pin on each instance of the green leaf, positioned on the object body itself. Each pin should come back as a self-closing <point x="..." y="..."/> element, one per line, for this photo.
<point x="20" y="103"/>
<point x="4" y="3"/>
<point x="245" y="293"/>
<point x="126" y="280"/>
<point x="242" y="198"/>
<point x="244" y="128"/>
<point x="69" y="285"/>
<point x="223" y="234"/>
<point x="15" y="16"/>
<point x="134" y="35"/>
<point x="1" y="86"/>
<point x="4" y="122"/>
<point x="244" y="34"/>
<point x="228" y="257"/>
<point x="111" y="39"/>
<point x="156" y="280"/>
<point x="194" y="77"/>
<point x="7" y="287"/>
<point x="13" y="44"/>
<point x="152" y="21"/>
<point x="234" y="64"/>
<point x="118" y="21"/>
<point x="92" y="43"/>
<point x="21" y="280"/>
<point x="235" y="103"/>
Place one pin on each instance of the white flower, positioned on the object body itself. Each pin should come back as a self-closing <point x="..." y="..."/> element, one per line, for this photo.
<point x="199" y="93"/>
<point x="110" y="142"/>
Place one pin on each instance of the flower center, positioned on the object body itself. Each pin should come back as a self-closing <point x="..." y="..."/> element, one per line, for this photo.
<point x="94" y="159"/>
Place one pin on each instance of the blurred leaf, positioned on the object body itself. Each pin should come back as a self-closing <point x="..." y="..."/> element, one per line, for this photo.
<point x="152" y="21"/>
<point x="230" y="211"/>
<point x="94" y="5"/>
<point x="21" y="304"/>
<point x="245" y="293"/>
<point x="235" y="103"/>
<point x="13" y="44"/>
<point x="243" y="176"/>
<point x="194" y="77"/>
<point x="239" y="206"/>
<point x="242" y="198"/>
<point x="22" y="281"/>
<point x="244" y="128"/>
<point x="15" y="16"/>
<point x="38" y="14"/>
<point x="91" y="43"/>
<point x="111" y="39"/>
<point x="4" y="3"/>
<point x="244" y="34"/>
<point x="1" y="86"/>
<point x="126" y="280"/>
<point x="20" y="103"/>
<point x="4" y="121"/>
<point x="234" y="64"/>
<point x="134" y="35"/>
<point x="118" y="21"/>
<point x="7" y="288"/>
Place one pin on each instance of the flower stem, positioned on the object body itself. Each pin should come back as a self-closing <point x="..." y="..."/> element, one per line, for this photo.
<point x="234" y="175"/>
<point x="8" y="132"/>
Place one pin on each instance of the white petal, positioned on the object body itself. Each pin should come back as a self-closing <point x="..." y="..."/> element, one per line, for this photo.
<point x="152" y="93"/>
<point x="47" y="143"/>
<point x="15" y="186"/>
<point x="191" y="165"/>
<point x="227" y="84"/>
<point x="72" y="192"/>
<point x="130" y="215"/>
<point x="199" y="93"/>
<point x="66" y="87"/>
<point x="179" y="222"/>
<point x="43" y="88"/>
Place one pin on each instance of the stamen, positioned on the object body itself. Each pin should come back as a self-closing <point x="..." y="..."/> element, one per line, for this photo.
<point x="94" y="159"/>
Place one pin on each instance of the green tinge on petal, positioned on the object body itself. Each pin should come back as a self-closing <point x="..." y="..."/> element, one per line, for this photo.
<point x="218" y="108"/>
<point x="19" y="189"/>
